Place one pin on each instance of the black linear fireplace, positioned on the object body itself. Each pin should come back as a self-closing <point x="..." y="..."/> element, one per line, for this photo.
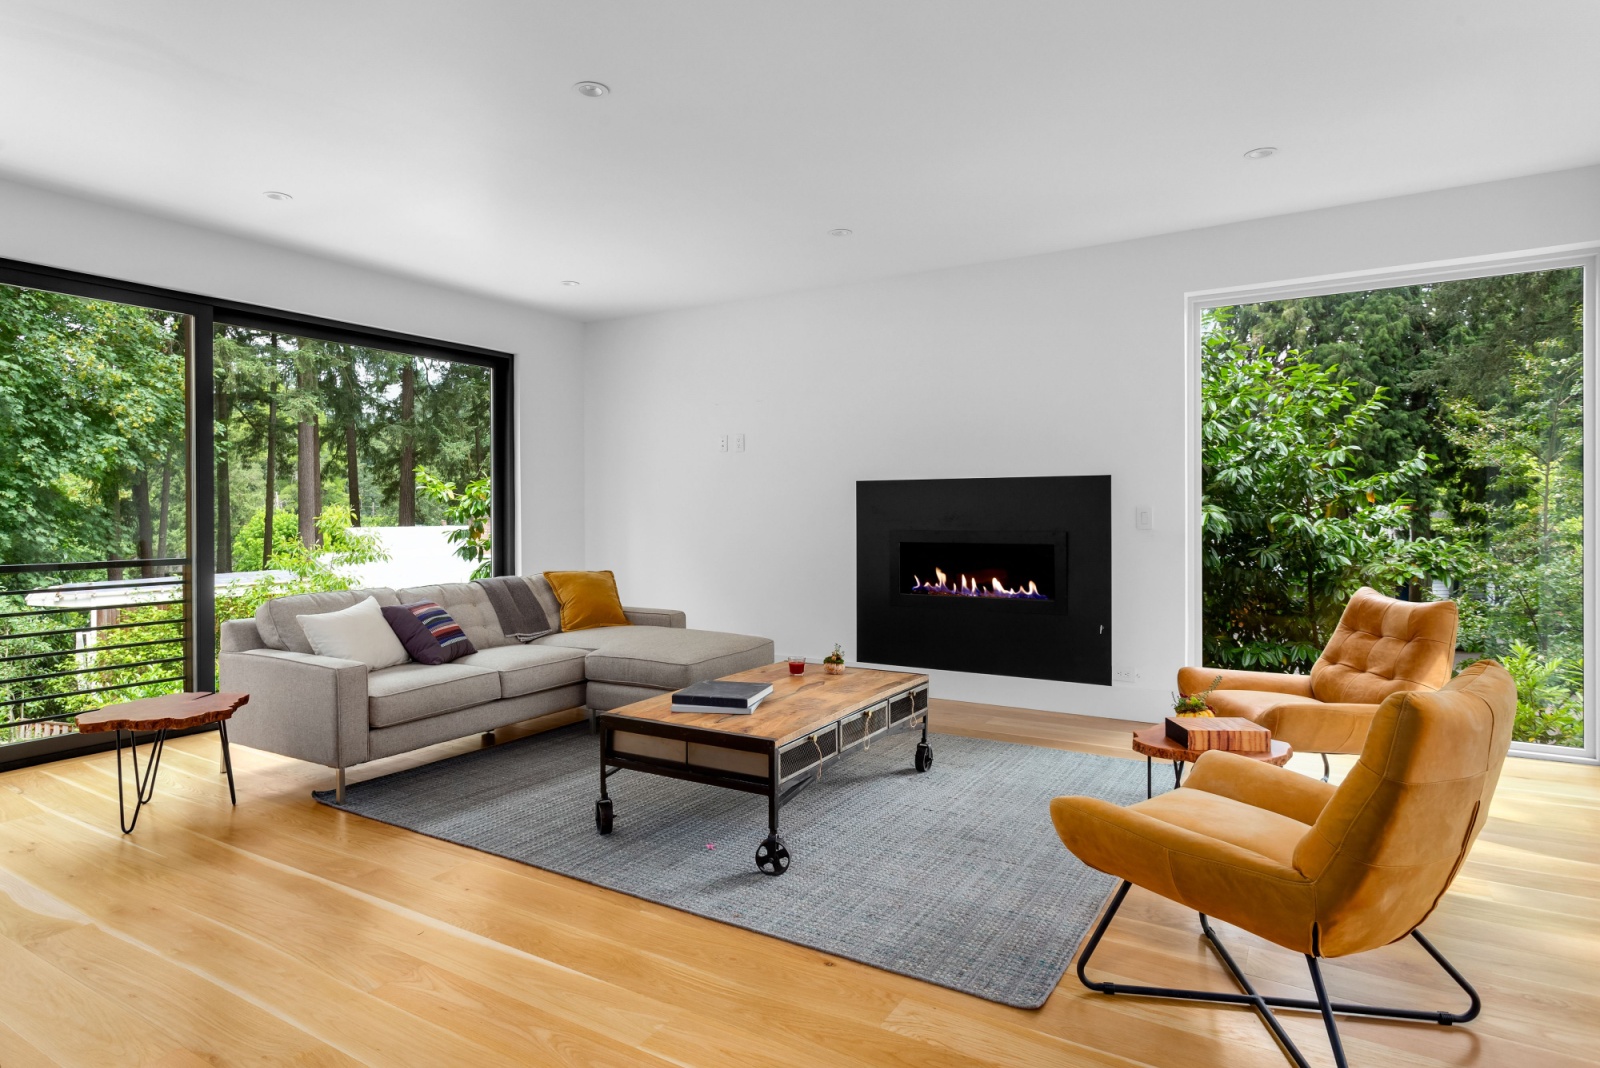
<point x="1005" y="576"/>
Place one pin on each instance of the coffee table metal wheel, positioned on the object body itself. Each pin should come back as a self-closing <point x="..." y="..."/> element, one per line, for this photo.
<point x="773" y="856"/>
<point x="924" y="755"/>
<point x="602" y="816"/>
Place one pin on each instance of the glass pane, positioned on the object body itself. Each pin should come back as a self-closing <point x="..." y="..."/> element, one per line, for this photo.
<point x="1423" y="440"/>
<point x="93" y="498"/>
<point x="340" y="466"/>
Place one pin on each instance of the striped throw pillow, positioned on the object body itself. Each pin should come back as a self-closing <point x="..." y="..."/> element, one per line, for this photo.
<point x="429" y="633"/>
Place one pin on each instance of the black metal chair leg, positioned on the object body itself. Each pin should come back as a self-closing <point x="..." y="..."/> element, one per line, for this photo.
<point x="1264" y="1004"/>
<point x="1327" y="1012"/>
<point x="1326" y="769"/>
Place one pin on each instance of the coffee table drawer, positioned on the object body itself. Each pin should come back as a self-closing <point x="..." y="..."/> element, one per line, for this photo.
<point x="691" y="754"/>
<point x="804" y="755"/>
<point x="853" y="730"/>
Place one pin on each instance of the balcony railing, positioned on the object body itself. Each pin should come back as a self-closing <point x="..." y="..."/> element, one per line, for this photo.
<point x="74" y="637"/>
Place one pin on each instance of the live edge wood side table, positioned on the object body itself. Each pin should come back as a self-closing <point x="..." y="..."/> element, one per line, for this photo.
<point x="1153" y="742"/>
<point x="169" y="712"/>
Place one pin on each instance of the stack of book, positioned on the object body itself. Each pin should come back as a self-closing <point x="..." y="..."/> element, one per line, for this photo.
<point x="718" y="697"/>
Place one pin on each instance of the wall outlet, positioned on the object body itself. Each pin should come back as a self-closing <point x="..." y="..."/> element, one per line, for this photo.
<point x="1129" y="675"/>
<point x="722" y="443"/>
<point x="1144" y="517"/>
<point x="738" y="443"/>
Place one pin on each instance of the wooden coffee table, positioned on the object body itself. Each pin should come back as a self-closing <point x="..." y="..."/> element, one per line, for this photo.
<point x="1153" y="742"/>
<point x="808" y="722"/>
<point x="173" y="711"/>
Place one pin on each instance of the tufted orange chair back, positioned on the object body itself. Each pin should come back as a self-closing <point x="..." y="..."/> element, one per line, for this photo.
<point x="1389" y="841"/>
<point x="1384" y="646"/>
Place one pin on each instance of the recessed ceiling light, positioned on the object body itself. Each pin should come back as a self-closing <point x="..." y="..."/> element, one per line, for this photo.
<point x="1260" y="153"/>
<point x="273" y="194"/>
<point x="841" y="232"/>
<point x="570" y="282"/>
<point x="593" y="88"/>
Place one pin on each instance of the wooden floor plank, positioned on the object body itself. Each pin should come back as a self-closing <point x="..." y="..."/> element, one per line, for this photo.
<point x="285" y="932"/>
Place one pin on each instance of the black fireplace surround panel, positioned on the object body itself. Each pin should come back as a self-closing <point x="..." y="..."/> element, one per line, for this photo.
<point x="1002" y="576"/>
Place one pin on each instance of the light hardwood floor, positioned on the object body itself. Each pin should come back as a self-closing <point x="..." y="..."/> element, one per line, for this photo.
<point x="284" y="932"/>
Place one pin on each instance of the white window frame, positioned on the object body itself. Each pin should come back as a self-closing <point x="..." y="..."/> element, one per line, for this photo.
<point x="1586" y="256"/>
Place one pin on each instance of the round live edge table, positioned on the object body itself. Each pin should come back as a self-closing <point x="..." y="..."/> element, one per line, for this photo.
<point x="1153" y="742"/>
<point x="173" y="711"/>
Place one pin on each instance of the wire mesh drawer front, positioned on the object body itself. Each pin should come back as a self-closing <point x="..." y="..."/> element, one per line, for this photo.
<point x="919" y="698"/>
<point x="901" y="706"/>
<point x="878" y="718"/>
<point x="808" y="752"/>
<point x="853" y="730"/>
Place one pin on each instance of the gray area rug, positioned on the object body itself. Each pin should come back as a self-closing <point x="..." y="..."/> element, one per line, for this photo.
<point x="954" y="877"/>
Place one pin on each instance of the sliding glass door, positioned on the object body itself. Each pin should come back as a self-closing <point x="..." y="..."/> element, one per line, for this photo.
<point x="137" y="510"/>
<point x="94" y="500"/>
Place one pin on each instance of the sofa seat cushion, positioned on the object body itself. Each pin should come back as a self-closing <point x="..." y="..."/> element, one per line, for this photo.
<point x="416" y="691"/>
<point x="665" y="657"/>
<point x="527" y="669"/>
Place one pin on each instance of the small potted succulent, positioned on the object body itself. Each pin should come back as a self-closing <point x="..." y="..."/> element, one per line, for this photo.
<point x="833" y="663"/>
<point x="1195" y="704"/>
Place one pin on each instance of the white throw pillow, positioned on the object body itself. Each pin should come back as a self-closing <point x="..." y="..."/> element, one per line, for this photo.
<point x="356" y="633"/>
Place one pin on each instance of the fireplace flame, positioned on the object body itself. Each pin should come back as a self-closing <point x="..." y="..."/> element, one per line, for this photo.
<point x="968" y="586"/>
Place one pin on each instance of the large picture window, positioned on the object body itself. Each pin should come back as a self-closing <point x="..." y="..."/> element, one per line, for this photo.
<point x="138" y="511"/>
<point x="1426" y="440"/>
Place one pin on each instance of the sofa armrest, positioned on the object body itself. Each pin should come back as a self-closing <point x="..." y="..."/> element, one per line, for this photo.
<point x="308" y="707"/>
<point x="1193" y="680"/>
<point x="655" y="617"/>
<point x="239" y="635"/>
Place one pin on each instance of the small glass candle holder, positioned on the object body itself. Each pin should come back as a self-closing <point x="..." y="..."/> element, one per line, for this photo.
<point x="797" y="665"/>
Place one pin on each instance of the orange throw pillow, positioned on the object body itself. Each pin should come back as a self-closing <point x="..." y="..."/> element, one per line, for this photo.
<point x="588" y="599"/>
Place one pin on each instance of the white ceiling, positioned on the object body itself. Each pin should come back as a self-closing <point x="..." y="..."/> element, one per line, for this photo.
<point x="446" y="141"/>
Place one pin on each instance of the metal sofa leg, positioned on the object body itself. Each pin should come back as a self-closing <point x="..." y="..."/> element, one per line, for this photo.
<point x="338" y="788"/>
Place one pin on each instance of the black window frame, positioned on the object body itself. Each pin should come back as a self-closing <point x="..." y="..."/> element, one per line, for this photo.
<point x="204" y="314"/>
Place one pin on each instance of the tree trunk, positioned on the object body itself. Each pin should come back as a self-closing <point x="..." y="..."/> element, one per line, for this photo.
<point x="162" y="524"/>
<point x="306" y="465"/>
<point x="224" y="487"/>
<point x="272" y="478"/>
<point x="115" y="552"/>
<point x="352" y="472"/>
<point x="407" y="502"/>
<point x="146" y="529"/>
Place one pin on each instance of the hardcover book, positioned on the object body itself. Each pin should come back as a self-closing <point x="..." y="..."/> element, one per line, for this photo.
<point x="717" y="694"/>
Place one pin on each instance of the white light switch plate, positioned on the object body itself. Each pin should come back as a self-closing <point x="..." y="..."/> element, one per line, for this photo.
<point x="1144" y="517"/>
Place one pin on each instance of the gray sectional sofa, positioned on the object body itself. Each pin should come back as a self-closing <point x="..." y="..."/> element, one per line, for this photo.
<point x="339" y="714"/>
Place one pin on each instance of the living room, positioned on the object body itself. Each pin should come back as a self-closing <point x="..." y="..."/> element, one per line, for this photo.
<point x="695" y="416"/>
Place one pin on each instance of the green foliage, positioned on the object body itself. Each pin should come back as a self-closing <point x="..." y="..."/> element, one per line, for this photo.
<point x="1482" y="380"/>
<point x="468" y="511"/>
<point x="1549" y="696"/>
<point x="1290" y="528"/>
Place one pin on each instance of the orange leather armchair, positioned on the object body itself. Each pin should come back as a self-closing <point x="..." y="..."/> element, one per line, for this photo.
<point x="1325" y="871"/>
<point x="1381" y="646"/>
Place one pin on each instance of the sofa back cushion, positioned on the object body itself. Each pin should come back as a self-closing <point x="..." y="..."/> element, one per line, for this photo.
<point x="547" y="600"/>
<point x="468" y="605"/>
<point x="276" y="619"/>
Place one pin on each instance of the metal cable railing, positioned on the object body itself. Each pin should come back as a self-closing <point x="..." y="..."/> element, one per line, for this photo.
<point x="53" y="664"/>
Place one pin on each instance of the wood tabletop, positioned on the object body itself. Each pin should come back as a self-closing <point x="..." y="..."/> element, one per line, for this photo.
<point x="797" y="705"/>
<point x="1153" y="742"/>
<point x="167" y="712"/>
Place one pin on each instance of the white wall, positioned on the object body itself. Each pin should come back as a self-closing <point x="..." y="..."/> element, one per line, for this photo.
<point x="67" y="232"/>
<point x="1070" y="363"/>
